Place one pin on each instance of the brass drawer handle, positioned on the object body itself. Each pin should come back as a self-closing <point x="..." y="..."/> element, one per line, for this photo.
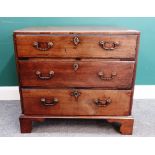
<point x="103" y="103"/>
<point x="40" y="76"/>
<point x="46" y="102"/>
<point x="102" y="76"/>
<point x="109" y="45"/>
<point x="76" y="40"/>
<point x="43" y="46"/>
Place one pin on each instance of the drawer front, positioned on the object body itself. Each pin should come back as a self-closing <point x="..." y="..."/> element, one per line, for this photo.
<point x="71" y="73"/>
<point x="71" y="46"/>
<point x="61" y="102"/>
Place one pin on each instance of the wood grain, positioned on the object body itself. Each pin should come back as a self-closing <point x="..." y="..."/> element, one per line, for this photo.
<point x="85" y="76"/>
<point x="89" y="58"/>
<point x="69" y="105"/>
<point x="63" y="46"/>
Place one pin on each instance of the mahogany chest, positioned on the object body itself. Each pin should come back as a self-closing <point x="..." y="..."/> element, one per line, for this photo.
<point x="76" y="72"/>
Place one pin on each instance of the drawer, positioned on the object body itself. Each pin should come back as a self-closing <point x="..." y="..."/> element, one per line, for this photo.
<point x="63" y="102"/>
<point x="74" y="73"/>
<point x="71" y="46"/>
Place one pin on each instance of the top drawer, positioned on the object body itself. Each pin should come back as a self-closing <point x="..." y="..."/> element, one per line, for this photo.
<point x="76" y="46"/>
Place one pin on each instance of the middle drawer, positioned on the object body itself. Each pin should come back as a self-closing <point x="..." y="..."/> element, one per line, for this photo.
<point x="72" y="73"/>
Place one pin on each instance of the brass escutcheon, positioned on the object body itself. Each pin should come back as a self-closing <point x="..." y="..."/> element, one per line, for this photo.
<point x="76" y="94"/>
<point x="75" y="66"/>
<point x="76" y="40"/>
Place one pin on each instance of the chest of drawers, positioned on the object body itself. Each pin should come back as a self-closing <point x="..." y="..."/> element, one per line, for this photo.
<point x="77" y="73"/>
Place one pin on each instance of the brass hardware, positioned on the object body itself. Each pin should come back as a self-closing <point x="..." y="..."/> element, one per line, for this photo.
<point x="109" y="45"/>
<point x="102" y="76"/>
<point x="46" y="102"/>
<point x="76" y="40"/>
<point x="46" y="45"/>
<point x="39" y="75"/>
<point x="103" y="103"/>
<point x="76" y="94"/>
<point x="75" y="66"/>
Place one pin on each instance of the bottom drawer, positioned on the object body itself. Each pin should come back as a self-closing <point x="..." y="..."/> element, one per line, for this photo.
<point x="76" y="102"/>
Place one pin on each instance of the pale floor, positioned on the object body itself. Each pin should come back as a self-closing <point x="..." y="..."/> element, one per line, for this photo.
<point x="143" y="112"/>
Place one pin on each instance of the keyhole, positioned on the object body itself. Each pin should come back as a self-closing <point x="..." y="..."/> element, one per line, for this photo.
<point x="75" y="67"/>
<point x="76" y="94"/>
<point x="76" y="41"/>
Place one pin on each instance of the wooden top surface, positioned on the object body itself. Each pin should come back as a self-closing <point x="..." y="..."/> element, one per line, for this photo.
<point x="77" y="29"/>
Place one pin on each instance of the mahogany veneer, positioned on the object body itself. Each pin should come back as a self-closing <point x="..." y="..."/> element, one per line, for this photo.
<point x="76" y="72"/>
